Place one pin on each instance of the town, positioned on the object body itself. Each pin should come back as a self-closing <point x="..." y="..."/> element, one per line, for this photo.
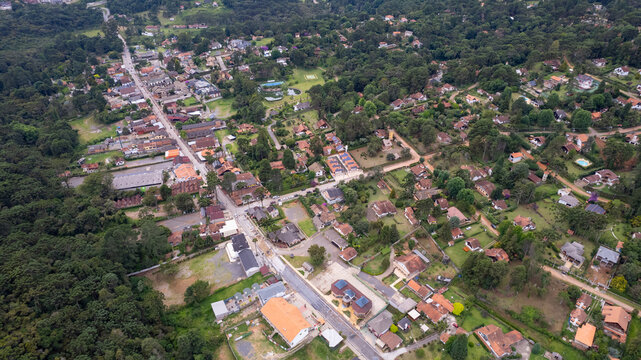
<point x="312" y="206"/>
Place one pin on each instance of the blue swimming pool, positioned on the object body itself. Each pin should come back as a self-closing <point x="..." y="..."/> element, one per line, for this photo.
<point x="583" y="162"/>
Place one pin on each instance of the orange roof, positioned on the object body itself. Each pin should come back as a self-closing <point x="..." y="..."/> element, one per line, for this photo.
<point x="585" y="334"/>
<point x="582" y="137"/>
<point x="516" y="155"/>
<point x="441" y="300"/>
<point x="170" y="154"/>
<point x="207" y="152"/>
<point x="186" y="171"/>
<point x="285" y="317"/>
<point x="413" y="285"/>
<point x="616" y="315"/>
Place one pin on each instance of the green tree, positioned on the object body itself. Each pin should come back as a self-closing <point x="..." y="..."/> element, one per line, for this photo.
<point x="197" y="292"/>
<point x="184" y="202"/>
<point x="455" y="185"/>
<point x="518" y="277"/>
<point x="316" y="255"/>
<point x="288" y="159"/>
<point x="228" y="181"/>
<point x="456" y="347"/>
<point x="370" y="108"/>
<point x="619" y="283"/>
<point x="581" y="119"/>
<point x="616" y="153"/>
<point x="466" y="196"/>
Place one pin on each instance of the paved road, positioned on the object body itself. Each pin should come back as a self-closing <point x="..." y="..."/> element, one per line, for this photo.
<point x="171" y="130"/>
<point x="572" y="281"/>
<point x="271" y="133"/>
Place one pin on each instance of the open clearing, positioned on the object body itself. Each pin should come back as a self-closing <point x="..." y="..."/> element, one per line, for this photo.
<point x="317" y="349"/>
<point x="221" y="108"/>
<point x="89" y="130"/>
<point x="213" y="267"/>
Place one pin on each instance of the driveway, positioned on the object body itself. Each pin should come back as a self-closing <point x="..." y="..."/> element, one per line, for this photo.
<point x="317" y="239"/>
<point x="180" y="222"/>
<point x="377" y="284"/>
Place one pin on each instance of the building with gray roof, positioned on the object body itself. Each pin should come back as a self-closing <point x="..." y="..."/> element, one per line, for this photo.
<point x="607" y="257"/>
<point x="274" y="290"/>
<point x="137" y="180"/>
<point x="381" y="323"/>
<point x="573" y="252"/>
<point x="248" y="262"/>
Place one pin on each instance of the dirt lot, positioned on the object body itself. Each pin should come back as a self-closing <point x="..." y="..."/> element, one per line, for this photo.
<point x="213" y="267"/>
<point x="295" y="212"/>
<point x="556" y="313"/>
<point x="255" y="346"/>
<point x="366" y="161"/>
<point x="599" y="274"/>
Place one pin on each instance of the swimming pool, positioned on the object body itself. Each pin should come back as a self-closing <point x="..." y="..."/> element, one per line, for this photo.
<point x="583" y="162"/>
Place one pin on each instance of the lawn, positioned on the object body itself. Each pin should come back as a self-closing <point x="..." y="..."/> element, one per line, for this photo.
<point x="390" y="279"/>
<point x="634" y="332"/>
<point x="303" y="80"/>
<point x="456" y="253"/>
<point x="376" y="266"/>
<point x="100" y="158"/>
<point x="366" y="161"/>
<point x="473" y="318"/>
<point x="89" y="130"/>
<point x="307" y="226"/>
<point x="200" y="317"/>
<point x="222" y="108"/>
<point x="264" y="41"/>
<point x="190" y="101"/>
<point x="317" y="349"/>
<point x="210" y="267"/>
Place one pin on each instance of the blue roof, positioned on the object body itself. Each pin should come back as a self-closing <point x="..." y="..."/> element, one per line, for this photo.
<point x="350" y="293"/>
<point x="362" y="301"/>
<point x="340" y="284"/>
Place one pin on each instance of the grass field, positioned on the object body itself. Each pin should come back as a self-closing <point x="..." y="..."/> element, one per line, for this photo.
<point x="264" y="41"/>
<point x="190" y="101"/>
<point x="376" y="265"/>
<point x="209" y="267"/>
<point x="307" y="226"/>
<point x="222" y="108"/>
<point x="366" y="161"/>
<point x="100" y="158"/>
<point x="303" y="79"/>
<point x="317" y="349"/>
<point x="89" y="130"/>
<point x="200" y="317"/>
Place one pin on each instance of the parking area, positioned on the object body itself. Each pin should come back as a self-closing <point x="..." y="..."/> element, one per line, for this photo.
<point x="320" y="239"/>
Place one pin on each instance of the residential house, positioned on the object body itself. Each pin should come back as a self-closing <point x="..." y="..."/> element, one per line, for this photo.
<point x="410" y="264"/>
<point x="573" y="252"/>
<point x="317" y="169"/>
<point x="383" y="208"/>
<point x="442" y="204"/>
<point x="524" y="222"/>
<point x="343" y="228"/>
<point x="423" y="184"/>
<point x="584" y="337"/>
<point x="498" y="343"/>
<point x="599" y="62"/>
<point x="409" y="215"/>
<point x="389" y="341"/>
<point x="276" y="289"/>
<point x="419" y="170"/>
<point x="622" y="71"/>
<point x="485" y="188"/>
<point x="348" y="254"/>
<point x="302" y="106"/>
<point x="537" y="140"/>
<point x="381" y="323"/>
<point x="443" y="138"/>
<point x="497" y="254"/>
<point x="577" y="317"/>
<point x="473" y="244"/>
<point x="534" y="178"/>
<point x="322" y="124"/>
<point x="615" y="322"/>
<point x="607" y="257"/>
<point x="404" y="324"/>
<point x="515" y="157"/>
<point x="584" y="301"/>
<point x="350" y="296"/>
<point x="436" y="308"/>
<point x="470" y="99"/>
<point x="397" y="104"/>
<point x="286" y="319"/>
<point x="332" y="195"/>
<point x="595" y="209"/>
<point x="300" y="130"/>
<point x="584" y="81"/>
<point x="456" y="233"/>
<point x="501" y="119"/>
<point x="454" y="212"/>
<point x="248" y="262"/>
<point x="421" y="290"/>
<point x="499" y="205"/>
<point x="569" y="201"/>
<point x="288" y="235"/>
